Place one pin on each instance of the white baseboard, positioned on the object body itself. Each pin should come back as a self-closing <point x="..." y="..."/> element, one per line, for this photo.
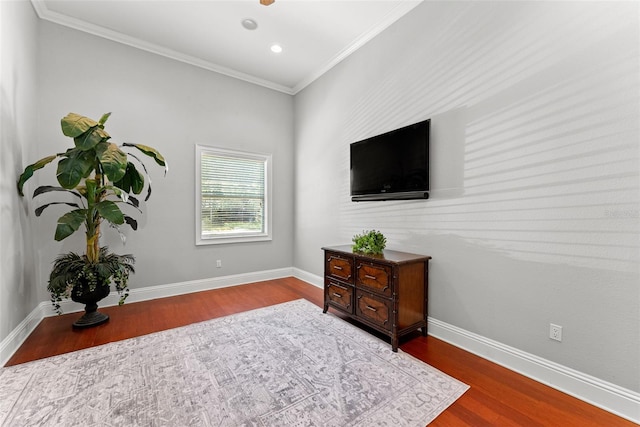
<point x="14" y="340"/>
<point x="610" y="397"/>
<point x="181" y="288"/>
<point x="305" y="276"/>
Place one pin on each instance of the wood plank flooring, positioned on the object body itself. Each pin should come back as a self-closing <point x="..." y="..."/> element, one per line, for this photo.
<point x="497" y="397"/>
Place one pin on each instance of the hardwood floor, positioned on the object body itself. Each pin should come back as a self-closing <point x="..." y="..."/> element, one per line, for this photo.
<point x="497" y="397"/>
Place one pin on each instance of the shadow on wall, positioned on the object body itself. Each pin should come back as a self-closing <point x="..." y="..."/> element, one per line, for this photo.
<point x="16" y="247"/>
<point x="534" y="209"/>
<point x="544" y="166"/>
<point x="446" y="148"/>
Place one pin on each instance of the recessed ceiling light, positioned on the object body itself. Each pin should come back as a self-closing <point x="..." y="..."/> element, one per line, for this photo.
<point x="249" y="24"/>
<point x="276" y="48"/>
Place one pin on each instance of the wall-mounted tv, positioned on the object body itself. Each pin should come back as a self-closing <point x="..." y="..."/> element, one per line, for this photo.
<point x="392" y="166"/>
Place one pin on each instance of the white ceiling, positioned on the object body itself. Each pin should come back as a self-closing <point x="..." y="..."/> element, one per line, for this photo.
<point x="315" y="34"/>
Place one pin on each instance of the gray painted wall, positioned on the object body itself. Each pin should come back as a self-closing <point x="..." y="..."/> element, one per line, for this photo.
<point x="18" y="56"/>
<point x="534" y="215"/>
<point x="534" y="210"/>
<point x="172" y="107"/>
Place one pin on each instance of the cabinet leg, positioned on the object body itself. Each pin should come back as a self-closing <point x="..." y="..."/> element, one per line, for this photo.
<point x="394" y="344"/>
<point x="424" y="331"/>
<point x="326" y="307"/>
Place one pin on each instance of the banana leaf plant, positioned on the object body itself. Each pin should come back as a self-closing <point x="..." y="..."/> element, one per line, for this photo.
<point x="97" y="178"/>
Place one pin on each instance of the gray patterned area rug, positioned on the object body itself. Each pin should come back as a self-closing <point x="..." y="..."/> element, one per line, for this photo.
<point x="284" y="365"/>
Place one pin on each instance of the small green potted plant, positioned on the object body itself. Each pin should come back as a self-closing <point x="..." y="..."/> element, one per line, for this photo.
<point x="97" y="177"/>
<point x="369" y="242"/>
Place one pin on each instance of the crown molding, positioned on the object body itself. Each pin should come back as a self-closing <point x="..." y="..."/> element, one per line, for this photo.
<point x="396" y="13"/>
<point x="44" y="13"/>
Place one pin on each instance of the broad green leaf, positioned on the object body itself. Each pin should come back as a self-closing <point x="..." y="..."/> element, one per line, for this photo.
<point x="113" y="160"/>
<point x="117" y="192"/>
<point x="137" y="180"/>
<point x="104" y="118"/>
<point x="73" y="168"/>
<point x="29" y="170"/>
<point x="110" y="211"/>
<point x="90" y="138"/>
<point x="90" y="186"/>
<point x="132" y="180"/>
<point x="151" y="152"/>
<point x="147" y="175"/>
<point x="69" y="223"/>
<point x="43" y="207"/>
<point x="75" y="125"/>
<point x="48" y="188"/>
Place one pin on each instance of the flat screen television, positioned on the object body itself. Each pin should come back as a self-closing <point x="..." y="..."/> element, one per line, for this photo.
<point x="392" y="166"/>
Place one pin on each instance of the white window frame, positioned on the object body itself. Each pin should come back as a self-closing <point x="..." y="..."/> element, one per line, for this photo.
<point x="264" y="235"/>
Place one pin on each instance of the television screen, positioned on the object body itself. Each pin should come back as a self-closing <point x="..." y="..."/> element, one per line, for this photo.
<point x="394" y="165"/>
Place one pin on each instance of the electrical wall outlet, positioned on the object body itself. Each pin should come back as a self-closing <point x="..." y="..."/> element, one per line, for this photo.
<point x="555" y="332"/>
<point x="219" y="263"/>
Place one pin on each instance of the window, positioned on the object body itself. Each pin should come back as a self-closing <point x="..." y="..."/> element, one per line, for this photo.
<point x="232" y="196"/>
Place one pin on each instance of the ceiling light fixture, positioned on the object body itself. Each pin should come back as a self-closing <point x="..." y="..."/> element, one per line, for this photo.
<point x="276" y="48"/>
<point x="266" y="2"/>
<point x="249" y="24"/>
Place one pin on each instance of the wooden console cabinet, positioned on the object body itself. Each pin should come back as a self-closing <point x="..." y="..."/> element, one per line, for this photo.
<point x="386" y="292"/>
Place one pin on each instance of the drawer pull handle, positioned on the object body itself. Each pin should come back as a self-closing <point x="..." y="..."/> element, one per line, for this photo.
<point x="366" y="276"/>
<point x="372" y="308"/>
<point x="337" y="267"/>
<point x="337" y="286"/>
<point x="337" y="295"/>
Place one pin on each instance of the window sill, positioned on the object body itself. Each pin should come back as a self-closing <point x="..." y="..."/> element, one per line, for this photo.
<point x="221" y="240"/>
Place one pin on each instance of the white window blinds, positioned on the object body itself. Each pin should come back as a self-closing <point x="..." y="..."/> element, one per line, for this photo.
<point x="233" y="195"/>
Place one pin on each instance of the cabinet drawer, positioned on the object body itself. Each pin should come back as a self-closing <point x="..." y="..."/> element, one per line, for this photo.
<point x="339" y="295"/>
<point x="376" y="277"/>
<point x="339" y="267"/>
<point x="374" y="309"/>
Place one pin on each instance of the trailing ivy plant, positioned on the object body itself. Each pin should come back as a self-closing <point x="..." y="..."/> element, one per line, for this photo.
<point x="97" y="177"/>
<point x="86" y="277"/>
<point x="369" y="242"/>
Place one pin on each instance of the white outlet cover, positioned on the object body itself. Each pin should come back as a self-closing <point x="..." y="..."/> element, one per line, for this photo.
<point x="555" y="332"/>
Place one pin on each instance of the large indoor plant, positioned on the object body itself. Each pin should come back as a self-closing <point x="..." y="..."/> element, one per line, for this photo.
<point x="97" y="178"/>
